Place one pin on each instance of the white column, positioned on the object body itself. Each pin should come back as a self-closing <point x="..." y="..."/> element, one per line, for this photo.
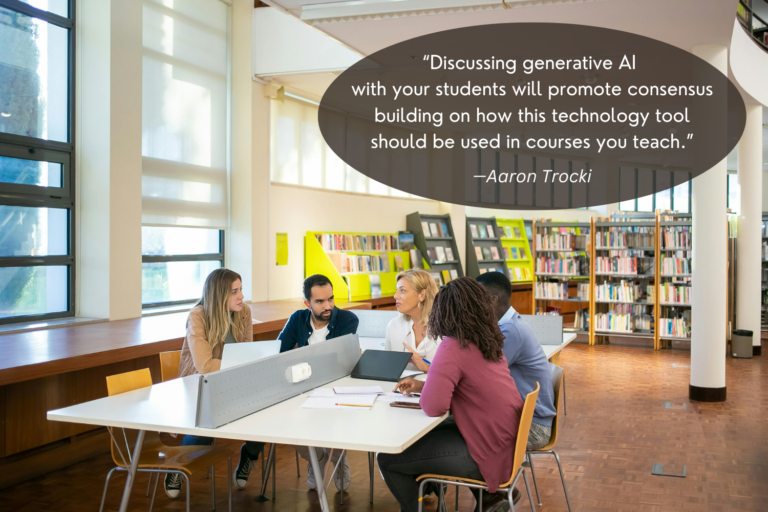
<point x="108" y="136"/>
<point x="248" y="241"/>
<point x="749" y="241"/>
<point x="708" y="294"/>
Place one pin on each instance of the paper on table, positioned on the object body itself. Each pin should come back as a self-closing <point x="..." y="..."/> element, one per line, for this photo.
<point x="347" y="402"/>
<point x="393" y="396"/>
<point x="359" y="390"/>
<point x="409" y="373"/>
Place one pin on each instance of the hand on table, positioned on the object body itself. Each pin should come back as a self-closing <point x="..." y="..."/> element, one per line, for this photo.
<point x="407" y="386"/>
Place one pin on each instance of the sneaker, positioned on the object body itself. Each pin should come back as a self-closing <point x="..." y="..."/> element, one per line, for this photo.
<point x="344" y="472"/>
<point x="172" y="485"/>
<point x="497" y="503"/>
<point x="243" y="470"/>
<point x="311" y="474"/>
<point x="516" y="495"/>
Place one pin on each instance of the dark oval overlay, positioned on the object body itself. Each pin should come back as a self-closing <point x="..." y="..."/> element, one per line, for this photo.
<point x="557" y="172"/>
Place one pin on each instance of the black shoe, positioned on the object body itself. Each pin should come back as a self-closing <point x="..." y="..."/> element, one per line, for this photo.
<point x="243" y="470"/>
<point x="516" y="495"/>
<point x="172" y="485"/>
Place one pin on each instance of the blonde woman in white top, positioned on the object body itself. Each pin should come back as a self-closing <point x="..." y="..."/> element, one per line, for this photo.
<point x="416" y="291"/>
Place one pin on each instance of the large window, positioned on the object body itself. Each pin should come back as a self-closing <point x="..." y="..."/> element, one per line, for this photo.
<point x="36" y="157"/>
<point x="184" y="147"/>
<point x="675" y="191"/>
<point x="734" y="192"/>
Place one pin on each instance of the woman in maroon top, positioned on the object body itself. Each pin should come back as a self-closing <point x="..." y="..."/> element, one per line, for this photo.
<point x="469" y="377"/>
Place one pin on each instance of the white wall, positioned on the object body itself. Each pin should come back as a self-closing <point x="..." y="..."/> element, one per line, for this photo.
<point x="555" y="215"/>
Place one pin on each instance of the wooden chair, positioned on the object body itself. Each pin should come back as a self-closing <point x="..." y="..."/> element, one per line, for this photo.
<point x="169" y="365"/>
<point x="517" y="464"/>
<point x="558" y="378"/>
<point x="157" y="458"/>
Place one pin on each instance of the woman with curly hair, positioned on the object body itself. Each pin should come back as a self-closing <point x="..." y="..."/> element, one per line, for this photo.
<point x="469" y="377"/>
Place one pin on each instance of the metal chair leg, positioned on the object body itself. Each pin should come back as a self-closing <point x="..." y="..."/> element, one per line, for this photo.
<point x="528" y="489"/>
<point x="212" y="472"/>
<point x="229" y="483"/>
<point x="274" y="474"/>
<point x="562" y="478"/>
<point x="154" y="492"/>
<point x="149" y="484"/>
<point x="480" y="500"/>
<point x="186" y="479"/>
<point x="298" y="472"/>
<point x="441" y="499"/>
<point x="533" y="477"/>
<point x="106" y="485"/>
<point x="261" y="498"/>
<point x="457" y="498"/>
<point x="565" y="407"/>
<point x="370" y="472"/>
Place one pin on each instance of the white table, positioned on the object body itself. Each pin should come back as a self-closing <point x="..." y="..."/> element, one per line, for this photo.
<point x="171" y="407"/>
<point x="552" y="350"/>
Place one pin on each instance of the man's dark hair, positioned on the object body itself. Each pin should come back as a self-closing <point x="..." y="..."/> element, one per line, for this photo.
<point x="463" y="310"/>
<point x="496" y="282"/>
<point x="312" y="281"/>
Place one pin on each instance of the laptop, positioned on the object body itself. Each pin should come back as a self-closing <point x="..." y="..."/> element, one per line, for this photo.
<point x="240" y="353"/>
<point x="381" y="365"/>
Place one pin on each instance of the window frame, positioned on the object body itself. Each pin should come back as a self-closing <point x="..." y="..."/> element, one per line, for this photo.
<point x="156" y="258"/>
<point x="671" y="189"/>
<point x="33" y="148"/>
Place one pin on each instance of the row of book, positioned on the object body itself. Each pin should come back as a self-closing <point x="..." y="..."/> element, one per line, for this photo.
<point x="565" y="266"/>
<point x="623" y="291"/>
<point x="559" y="291"/>
<point x="675" y="266"/>
<point x="331" y="242"/>
<point x="617" y="320"/>
<point x="672" y="294"/>
<point x="444" y="277"/>
<point x="676" y="237"/>
<point x="440" y="254"/>
<point x="487" y="253"/>
<point x="518" y="274"/>
<point x="365" y="264"/>
<point x="560" y="238"/>
<point x="515" y="253"/>
<point x="485" y="231"/>
<point x="616" y="265"/>
<point x="675" y="327"/>
<point x="620" y="238"/>
<point x="581" y="320"/>
<point x="435" y="229"/>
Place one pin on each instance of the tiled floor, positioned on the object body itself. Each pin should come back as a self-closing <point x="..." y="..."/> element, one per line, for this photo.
<point x="616" y="428"/>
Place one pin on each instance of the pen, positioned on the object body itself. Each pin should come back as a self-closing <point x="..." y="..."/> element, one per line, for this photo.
<point x="426" y="361"/>
<point x="354" y="405"/>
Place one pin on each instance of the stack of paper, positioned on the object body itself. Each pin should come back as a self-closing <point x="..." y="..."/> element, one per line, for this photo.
<point x="358" y="390"/>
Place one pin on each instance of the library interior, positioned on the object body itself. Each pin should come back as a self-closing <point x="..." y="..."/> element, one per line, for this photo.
<point x="196" y="288"/>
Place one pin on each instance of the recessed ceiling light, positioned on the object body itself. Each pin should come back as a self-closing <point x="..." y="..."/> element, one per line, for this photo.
<point x="5" y="114"/>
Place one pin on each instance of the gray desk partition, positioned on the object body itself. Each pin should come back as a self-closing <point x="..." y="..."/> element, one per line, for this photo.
<point x="231" y="394"/>
<point x="373" y="323"/>
<point x="548" y="328"/>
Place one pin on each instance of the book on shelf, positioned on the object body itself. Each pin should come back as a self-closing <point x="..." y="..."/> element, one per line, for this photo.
<point x="675" y="266"/>
<point x="495" y="252"/>
<point x="434" y="230"/>
<point x="398" y="263"/>
<point x="479" y="253"/>
<point x="481" y="230"/>
<point x="415" y="255"/>
<point x="491" y="233"/>
<point x="487" y="253"/>
<point x="582" y="291"/>
<point x="454" y="273"/>
<point x="361" y="243"/>
<point x="432" y="254"/>
<point x="499" y="232"/>
<point x="616" y="265"/>
<point x="425" y="228"/>
<point x="526" y="273"/>
<point x="483" y="270"/>
<point x="515" y="253"/>
<point x="436" y="277"/>
<point x="676" y="327"/>
<point x="581" y="320"/>
<point x="440" y="250"/>
<point x="679" y="236"/>
<point x="566" y="266"/>
<point x="521" y="250"/>
<point x="375" y="281"/>
<point x="384" y="262"/>
<point x="557" y="239"/>
<point x="446" y="276"/>
<point x="528" y="232"/>
<point x="473" y="230"/>
<point x="553" y="291"/>
<point x="518" y="273"/>
<point x="449" y="254"/>
<point x="516" y="232"/>
<point x="623" y="291"/>
<point x="406" y="240"/>
<point x="507" y="231"/>
<point x="675" y="294"/>
<point x="507" y="253"/>
<point x="444" y="230"/>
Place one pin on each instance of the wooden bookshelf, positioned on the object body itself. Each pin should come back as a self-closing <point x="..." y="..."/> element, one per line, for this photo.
<point x="567" y="245"/>
<point x="431" y="242"/>
<point x="522" y="245"/>
<point x="484" y="250"/>
<point x="675" y="248"/>
<point x="353" y="286"/>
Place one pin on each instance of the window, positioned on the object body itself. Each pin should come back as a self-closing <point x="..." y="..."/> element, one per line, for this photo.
<point x="176" y="261"/>
<point x="734" y="193"/>
<point x="675" y="196"/>
<point x="300" y="155"/>
<point x="36" y="157"/>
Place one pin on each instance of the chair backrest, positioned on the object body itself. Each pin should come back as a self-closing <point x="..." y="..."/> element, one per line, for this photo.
<point x="526" y="417"/>
<point x="557" y="387"/>
<point x="122" y="383"/>
<point x="373" y="322"/>
<point x="169" y="365"/>
<point x="547" y="328"/>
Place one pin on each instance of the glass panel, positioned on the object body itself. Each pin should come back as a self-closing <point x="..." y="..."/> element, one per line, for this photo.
<point x="30" y="172"/>
<point x="161" y="241"/>
<point x="627" y="206"/>
<point x="664" y="185"/>
<point x="27" y="231"/>
<point x="645" y="204"/>
<point x="334" y="170"/>
<point x="59" y="7"/>
<point x="34" y="72"/>
<point x="311" y="155"/>
<point x="174" y="281"/>
<point x="681" y="193"/>
<point x="627" y="182"/>
<point x="33" y="290"/>
<point x="734" y="193"/>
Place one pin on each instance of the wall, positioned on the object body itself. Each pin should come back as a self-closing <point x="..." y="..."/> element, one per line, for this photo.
<point x="555" y="215"/>
<point x="296" y="210"/>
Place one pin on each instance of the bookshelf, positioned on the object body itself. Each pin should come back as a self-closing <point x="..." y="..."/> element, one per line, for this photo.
<point x="434" y="237"/>
<point x="351" y="260"/>
<point x="625" y="277"/>
<point x="764" y="277"/>
<point x="520" y="243"/>
<point x="674" y="271"/>
<point x="561" y="253"/>
<point x="484" y="250"/>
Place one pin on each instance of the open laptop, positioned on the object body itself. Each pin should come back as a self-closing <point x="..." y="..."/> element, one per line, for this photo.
<point x="240" y="353"/>
<point x="381" y="365"/>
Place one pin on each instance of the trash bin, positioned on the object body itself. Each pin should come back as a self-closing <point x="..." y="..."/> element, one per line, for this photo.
<point x="741" y="343"/>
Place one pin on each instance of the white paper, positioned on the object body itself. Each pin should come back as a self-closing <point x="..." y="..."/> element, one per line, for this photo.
<point x="359" y="390"/>
<point x="361" y="402"/>
<point x="410" y="373"/>
<point x="394" y="396"/>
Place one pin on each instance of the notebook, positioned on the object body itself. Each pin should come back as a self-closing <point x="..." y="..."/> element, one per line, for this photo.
<point x="381" y="365"/>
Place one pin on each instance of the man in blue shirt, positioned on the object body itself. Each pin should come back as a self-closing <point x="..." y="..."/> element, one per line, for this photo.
<point x="321" y="321"/>
<point x="526" y="359"/>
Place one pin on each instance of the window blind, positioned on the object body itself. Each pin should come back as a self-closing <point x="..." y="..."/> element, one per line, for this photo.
<point x="184" y="113"/>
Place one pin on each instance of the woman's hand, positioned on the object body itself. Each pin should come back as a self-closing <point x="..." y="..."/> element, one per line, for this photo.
<point x="408" y="386"/>
<point x="417" y="360"/>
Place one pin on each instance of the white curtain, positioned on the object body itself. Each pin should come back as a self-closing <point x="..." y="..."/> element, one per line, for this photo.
<point x="184" y="113"/>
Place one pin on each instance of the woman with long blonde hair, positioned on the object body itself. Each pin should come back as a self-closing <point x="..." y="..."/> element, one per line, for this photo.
<point x="220" y="317"/>
<point x="416" y="291"/>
